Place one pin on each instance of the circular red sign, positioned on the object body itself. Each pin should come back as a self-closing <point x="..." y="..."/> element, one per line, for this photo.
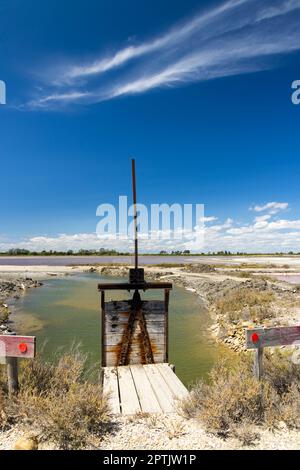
<point x="23" y="347"/>
<point x="255" y="337"/>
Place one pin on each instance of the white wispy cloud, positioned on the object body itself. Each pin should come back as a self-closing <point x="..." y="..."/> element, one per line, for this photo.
<point x="262" y="234"/>
<point x="238" y="36"/>
<point x="210" y="218"/>
<point x="271" y="207"/>
<point x="262" y="218"/>
<point x="173" y="37"/>
<point x="281" y="9"/>
<point x="58" y="97"/>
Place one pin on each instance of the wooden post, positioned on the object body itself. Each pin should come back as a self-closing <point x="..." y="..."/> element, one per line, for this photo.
<point x="12" y="375"/>
<point x="258" y="363"/>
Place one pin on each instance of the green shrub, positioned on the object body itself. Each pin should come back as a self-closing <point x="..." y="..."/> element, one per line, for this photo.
<point x="4" y="314"/>
<point x="233" y="401"/>
<point x="60" y="404"/>
<point x="256" y="302"/>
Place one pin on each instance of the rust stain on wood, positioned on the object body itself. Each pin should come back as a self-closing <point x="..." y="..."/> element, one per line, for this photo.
<point x="134" y="335"/>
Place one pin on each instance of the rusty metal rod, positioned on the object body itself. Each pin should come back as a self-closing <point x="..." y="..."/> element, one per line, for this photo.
<point x="134" y="214"/>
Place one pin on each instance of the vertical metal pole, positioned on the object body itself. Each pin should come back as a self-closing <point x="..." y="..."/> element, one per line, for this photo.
<point x="166" y="351"/>
<point x="134" y="214"/>
<point x="103" y="346"/>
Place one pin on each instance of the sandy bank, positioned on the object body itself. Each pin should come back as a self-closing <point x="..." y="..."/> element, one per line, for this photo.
<point x="173" y="431"/>
<point x="39" y="272"/>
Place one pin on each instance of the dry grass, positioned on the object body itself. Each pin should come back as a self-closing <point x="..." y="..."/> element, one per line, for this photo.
<point x="245" y="304"/>
<point x="174" y="430"/>
<point x="234" y="401"/>
<point x="167" y="265"/>
<point x="261" y="266"/>
<point x="59" y="404"/>
<point x="4" y="314"/>
<point x="3" y="411"/>
<point x="243" y="274"/>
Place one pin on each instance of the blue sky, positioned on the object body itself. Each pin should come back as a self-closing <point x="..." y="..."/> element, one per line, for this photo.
<point x="198" y="92"/>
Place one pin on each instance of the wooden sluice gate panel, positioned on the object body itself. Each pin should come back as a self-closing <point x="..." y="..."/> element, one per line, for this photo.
<point x="128" y="335"/>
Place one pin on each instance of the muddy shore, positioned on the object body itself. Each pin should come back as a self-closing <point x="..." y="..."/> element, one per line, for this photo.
<point x="214" y="284"/>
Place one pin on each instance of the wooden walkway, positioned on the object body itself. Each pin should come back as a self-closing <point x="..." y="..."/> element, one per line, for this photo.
<point x="151" y="388"/>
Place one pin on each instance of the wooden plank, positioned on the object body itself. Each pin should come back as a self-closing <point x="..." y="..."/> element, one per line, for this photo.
<point x="111" y="388"/>
<point x="113" y="352"/>
<point x="147" y="397"/>
<point x="134" y="350"/>
<point x="178" y="389"/>
<point x="268" y="337"/>
<point x="162" y="391"/>
<point x="117" y="327"/>
<point x="125" y="311"/>
<point x="117" y="306"/>
<point x="151" y="388"/>
<point x="133" y="286"/>
<point x="17" y="346"/>
<point x="112" y="339"/>
<point x="135" y="358"/>
<point x="157" y="306"/>
<point x="128" y="397"/>
<point x="124" y="305"/>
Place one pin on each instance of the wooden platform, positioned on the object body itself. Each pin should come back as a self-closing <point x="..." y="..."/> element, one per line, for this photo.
<point x="151" y="388"/>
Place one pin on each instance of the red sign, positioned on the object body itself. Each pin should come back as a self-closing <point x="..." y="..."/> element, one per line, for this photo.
<point x="270" y="337"/>
<point x="17" y="346"/>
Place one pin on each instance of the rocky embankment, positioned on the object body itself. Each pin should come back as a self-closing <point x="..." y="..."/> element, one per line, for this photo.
<point x="234" y="298"/>
<point x="234" y="302"/>
<point x="12" y="289"/>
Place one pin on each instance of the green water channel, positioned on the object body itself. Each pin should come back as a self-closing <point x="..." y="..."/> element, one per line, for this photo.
<point x="67" y="311"/>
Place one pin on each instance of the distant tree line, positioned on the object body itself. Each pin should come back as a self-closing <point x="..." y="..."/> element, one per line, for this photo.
<point x="107" y="252"/>
<point x="101" y="252"/>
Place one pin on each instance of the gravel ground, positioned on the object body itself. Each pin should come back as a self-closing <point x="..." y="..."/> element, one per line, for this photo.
<point x="163" y="431"/>
<point x="166" y="432"/>
<point x="175" y="432"/>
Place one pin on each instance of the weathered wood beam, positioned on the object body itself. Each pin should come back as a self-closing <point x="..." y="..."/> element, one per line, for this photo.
<point x="134" y="286"/>
<point x="269" y="337"/>
<point x="17" y="346"/>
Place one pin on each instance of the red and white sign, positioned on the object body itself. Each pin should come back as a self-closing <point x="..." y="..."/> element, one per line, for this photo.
<point x="17" y="346"/>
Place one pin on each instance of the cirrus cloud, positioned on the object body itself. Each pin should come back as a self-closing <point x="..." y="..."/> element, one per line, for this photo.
<point x="235" y="37"/>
